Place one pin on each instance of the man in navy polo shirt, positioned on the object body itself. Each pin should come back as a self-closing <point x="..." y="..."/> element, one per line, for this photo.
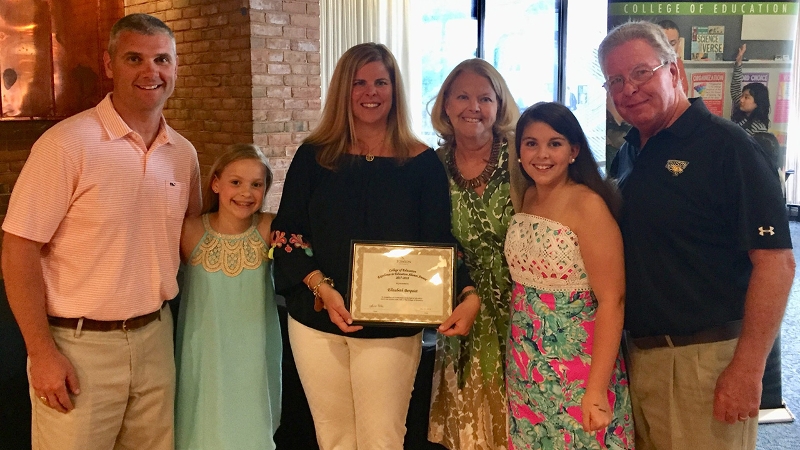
<point x="707" y="253"/>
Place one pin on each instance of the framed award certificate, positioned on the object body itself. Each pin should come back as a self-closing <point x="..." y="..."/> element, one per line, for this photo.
<point x="402" y="284"/>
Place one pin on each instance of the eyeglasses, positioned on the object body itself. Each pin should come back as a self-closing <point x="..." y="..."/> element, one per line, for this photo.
<point x="638" y="76"/>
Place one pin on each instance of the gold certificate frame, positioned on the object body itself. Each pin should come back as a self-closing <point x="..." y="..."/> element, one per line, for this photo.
<point x="402" y="284"/>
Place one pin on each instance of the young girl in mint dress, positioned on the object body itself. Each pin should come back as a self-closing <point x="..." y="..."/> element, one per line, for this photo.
<point x="566" y="383"/>
<point x="228" y="350"/>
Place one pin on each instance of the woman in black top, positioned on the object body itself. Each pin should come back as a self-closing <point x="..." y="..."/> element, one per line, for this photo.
<point x="361" y="175"/>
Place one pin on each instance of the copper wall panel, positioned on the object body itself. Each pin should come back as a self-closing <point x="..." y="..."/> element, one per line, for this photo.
<point x="51" y="55"/>
<point x="25" y="58"/>
<point x="76" y="69"/>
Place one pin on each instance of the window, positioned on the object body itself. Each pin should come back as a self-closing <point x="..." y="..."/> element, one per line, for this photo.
<point x="521" y="42"/>
<point x="583" y="87"/>
<point x="445" y="34"/>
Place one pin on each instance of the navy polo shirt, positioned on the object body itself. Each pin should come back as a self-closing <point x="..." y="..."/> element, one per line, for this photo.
<point x="696" y="199"/>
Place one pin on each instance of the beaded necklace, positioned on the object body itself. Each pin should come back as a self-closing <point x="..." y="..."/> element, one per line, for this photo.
<point x="483" y="177"/>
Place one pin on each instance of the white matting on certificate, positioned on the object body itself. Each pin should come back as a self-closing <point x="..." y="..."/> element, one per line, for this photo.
<point x="402" y="284"/>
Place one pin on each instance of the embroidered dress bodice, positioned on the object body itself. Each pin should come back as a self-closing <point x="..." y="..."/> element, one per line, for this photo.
<point x="230" y="253"/>
<point x="544" y="254"/>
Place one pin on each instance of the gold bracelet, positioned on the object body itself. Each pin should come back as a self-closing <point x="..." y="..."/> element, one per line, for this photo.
<point x="310" y="276"/>
<point x="325" y="280"/>
<point x="319" y="305"/>
<point x="466" y="294"/>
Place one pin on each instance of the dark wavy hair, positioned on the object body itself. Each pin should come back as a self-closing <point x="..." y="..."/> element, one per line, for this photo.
<point x="585" y="169"/>
<point x="760" y="95"/>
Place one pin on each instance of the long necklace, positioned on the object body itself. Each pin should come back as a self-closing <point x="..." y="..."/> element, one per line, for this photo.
<point x="483" y="177"/>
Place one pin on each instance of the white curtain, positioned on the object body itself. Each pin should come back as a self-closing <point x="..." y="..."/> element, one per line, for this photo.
<point x="345" y="23"/>
<point x="793" y="137"/>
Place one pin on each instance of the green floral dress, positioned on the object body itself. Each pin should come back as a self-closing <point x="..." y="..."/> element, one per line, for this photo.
<point x="468" y="408"/>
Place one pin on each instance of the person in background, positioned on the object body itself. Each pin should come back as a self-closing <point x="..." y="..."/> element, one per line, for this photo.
<point x="361" y="175"/>
<point x="674" y="36"/>
<point x="474" y="115"/>
<point x="566" y="379"/>
<point x="90" y="261"/>
<point x="701" y="205"/>
<point x="749" y="104"/>
<point x="228" y="349"/>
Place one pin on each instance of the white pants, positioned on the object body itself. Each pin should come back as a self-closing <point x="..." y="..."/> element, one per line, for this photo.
<point x="358" y="389"/>
<point x="127" y="384"/>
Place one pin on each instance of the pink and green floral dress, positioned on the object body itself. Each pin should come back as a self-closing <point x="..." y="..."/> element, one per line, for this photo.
<point x="549" y="347"/>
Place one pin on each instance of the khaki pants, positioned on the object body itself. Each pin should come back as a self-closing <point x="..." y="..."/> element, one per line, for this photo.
<point x="127" y="382"/>
<point x="358" y="389"/>
<point x="672" y="391"/>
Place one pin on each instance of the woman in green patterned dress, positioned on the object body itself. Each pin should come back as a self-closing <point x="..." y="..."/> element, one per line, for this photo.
<point x="474" y="115"/>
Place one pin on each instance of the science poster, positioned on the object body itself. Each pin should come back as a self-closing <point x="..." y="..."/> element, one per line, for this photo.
<point x="708" y="43"/>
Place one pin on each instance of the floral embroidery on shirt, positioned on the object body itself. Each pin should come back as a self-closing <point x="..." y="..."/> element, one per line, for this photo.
<point x="295" y="241"/>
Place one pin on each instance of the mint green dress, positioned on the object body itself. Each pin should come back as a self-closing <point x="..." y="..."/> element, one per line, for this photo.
<point x="228" y="349"/>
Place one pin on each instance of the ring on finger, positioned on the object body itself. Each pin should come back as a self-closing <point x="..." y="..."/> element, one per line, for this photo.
<point x="44" y="399"/>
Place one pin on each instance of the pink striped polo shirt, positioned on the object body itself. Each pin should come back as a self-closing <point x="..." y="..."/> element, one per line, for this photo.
<point x="109" y="212"/>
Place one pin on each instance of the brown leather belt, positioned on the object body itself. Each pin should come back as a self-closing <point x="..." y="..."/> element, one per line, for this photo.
<point x="106" y="325"/>
<point x="730" y="330"/>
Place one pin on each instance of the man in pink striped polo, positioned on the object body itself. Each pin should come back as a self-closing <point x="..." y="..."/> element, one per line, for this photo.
<point x="90" y="255"/>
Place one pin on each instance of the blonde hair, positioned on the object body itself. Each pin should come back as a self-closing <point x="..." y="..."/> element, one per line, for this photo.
<point x="504" y="124"/>
<point x="235" y="152"/>
<point x="336" y="134"/>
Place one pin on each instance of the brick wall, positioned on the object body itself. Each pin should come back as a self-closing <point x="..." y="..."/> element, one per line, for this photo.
<point x="248" y="72"/>
<point x="286" y="82"/>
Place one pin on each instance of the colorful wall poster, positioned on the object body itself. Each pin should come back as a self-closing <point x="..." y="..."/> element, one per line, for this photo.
<point x="781" y="113"/>
<point x="708" y="43"/>
<point x="755" y="77"/>
<point x="710" y="86"/>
